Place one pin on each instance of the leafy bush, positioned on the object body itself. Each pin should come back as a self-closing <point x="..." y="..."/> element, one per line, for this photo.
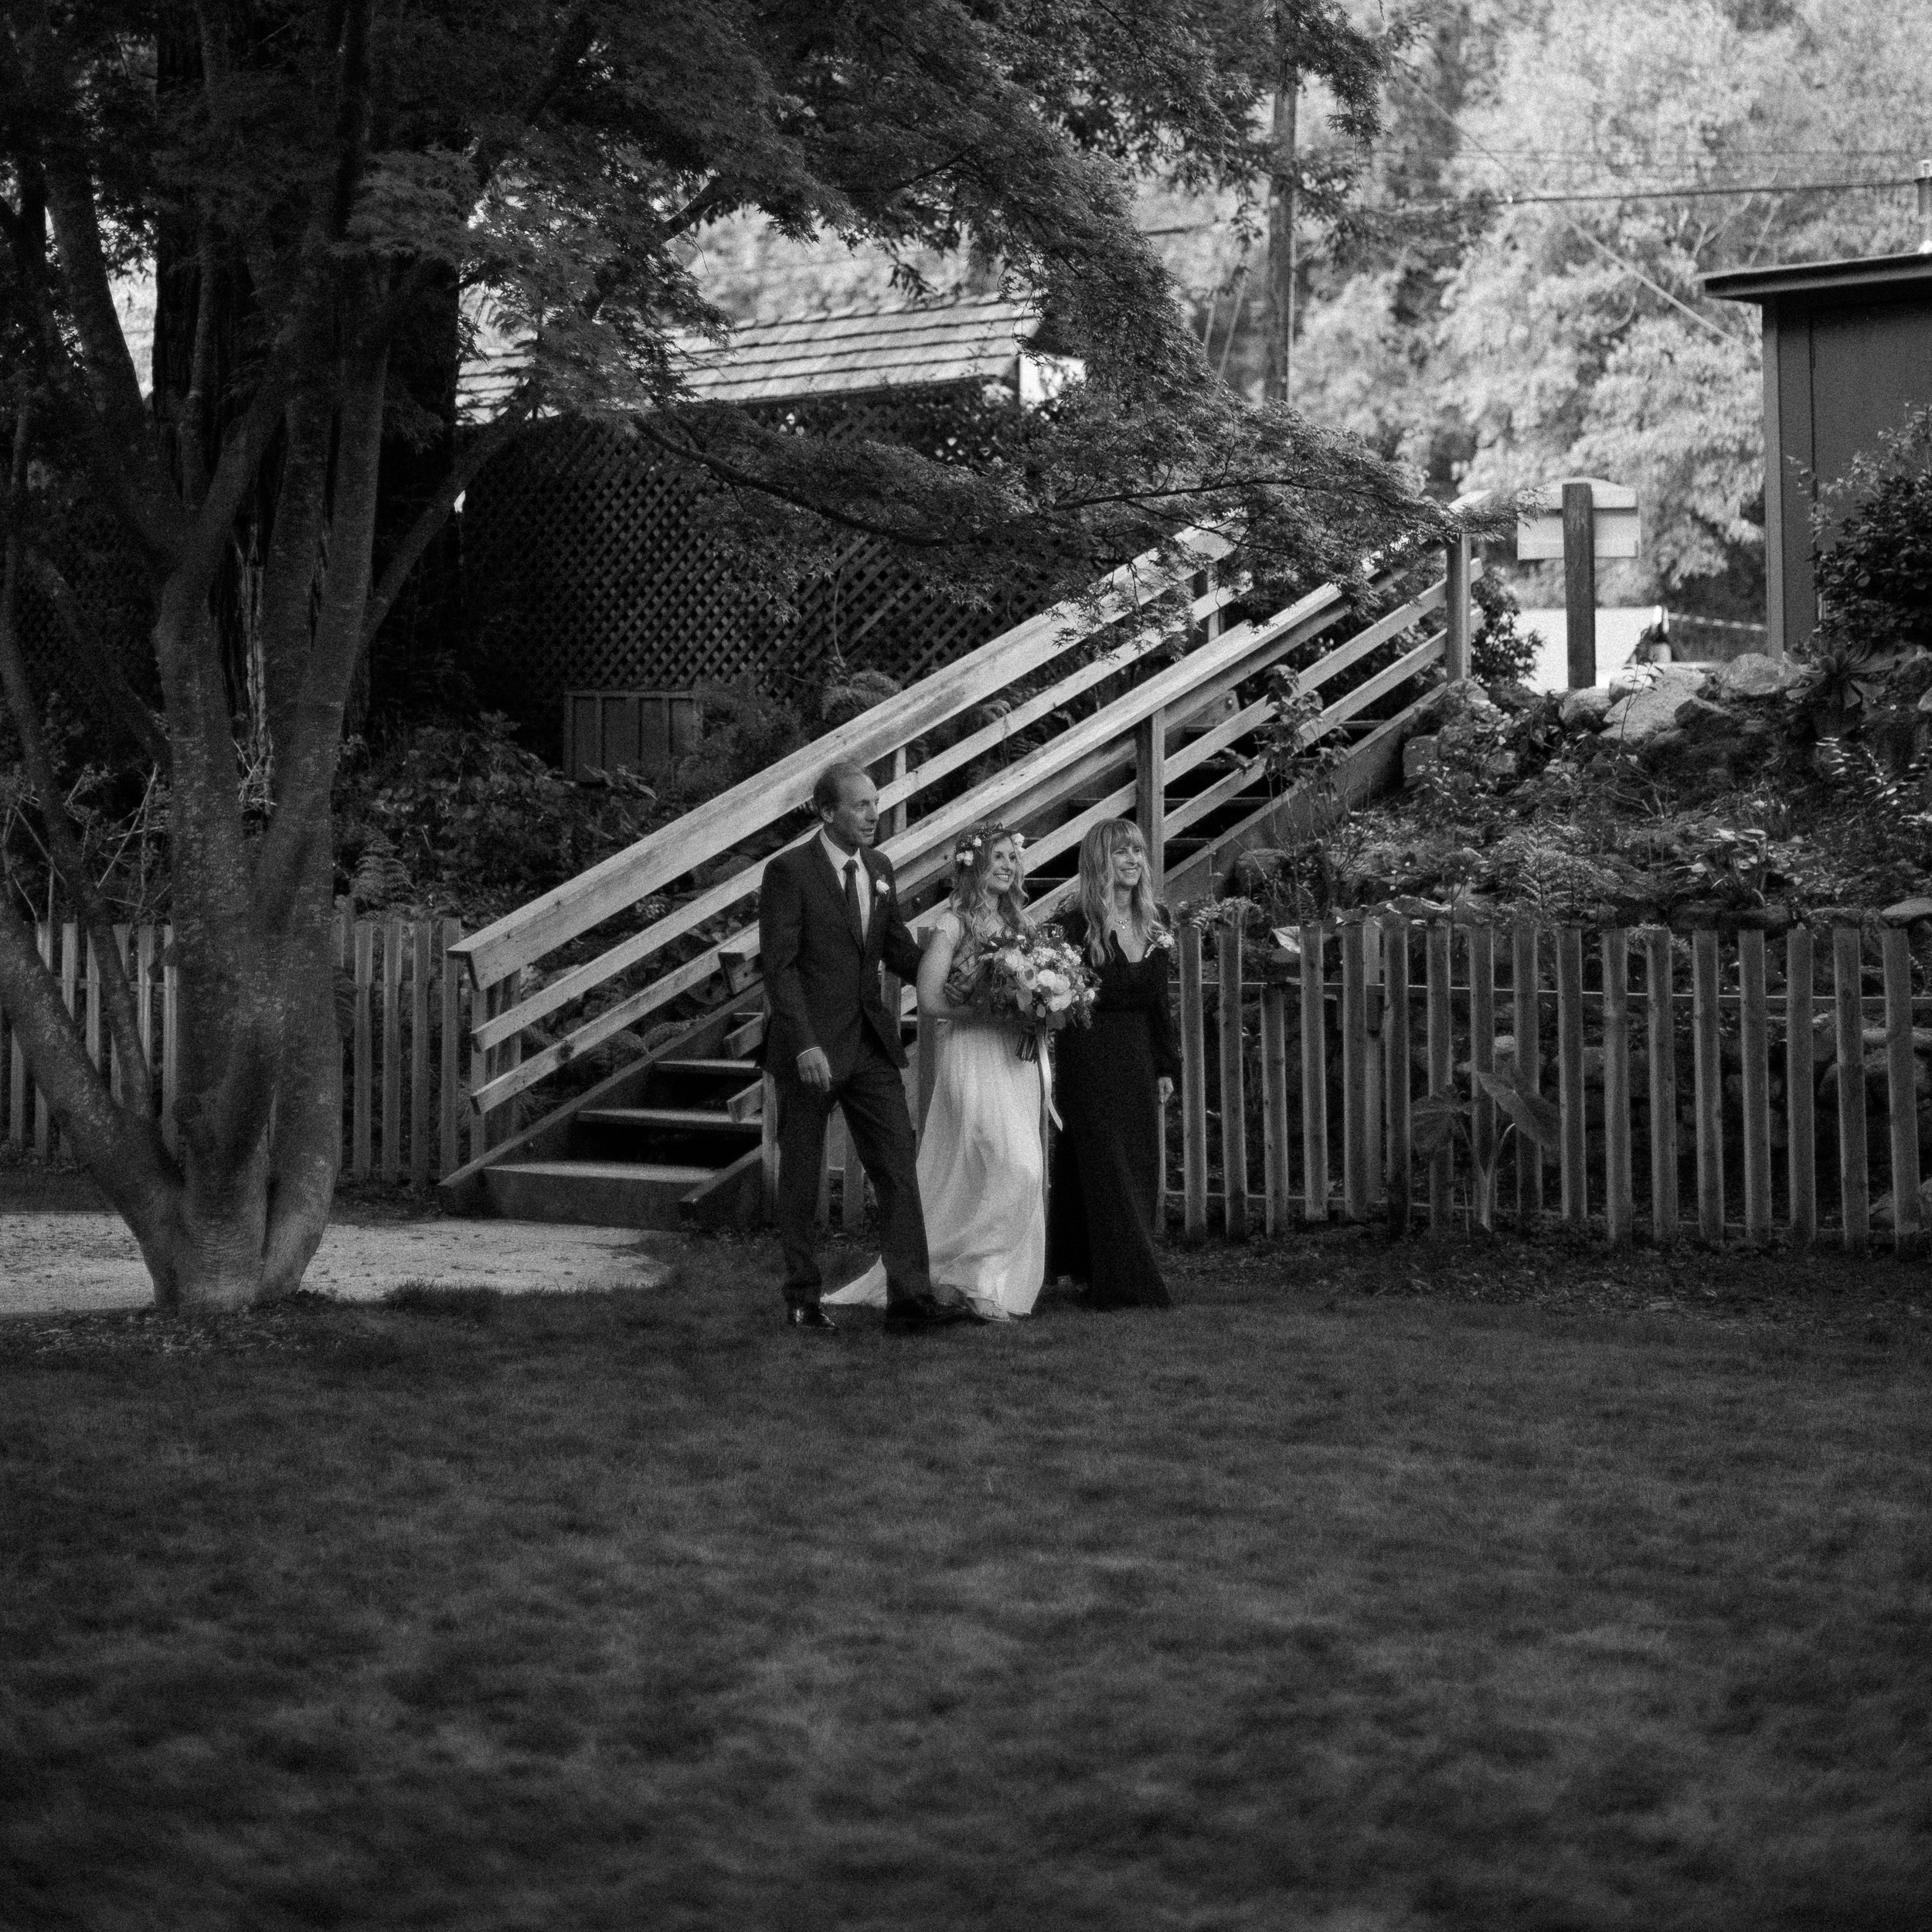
<point x="1875" y="572"/>
<point x="744" y="730"/>
<point x="1499" y="653"/>
<point x="463" y="820"/>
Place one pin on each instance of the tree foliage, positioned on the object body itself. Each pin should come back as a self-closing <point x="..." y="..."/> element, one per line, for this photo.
<point x="304" y="179"/>
<point x="1497" y="339"/>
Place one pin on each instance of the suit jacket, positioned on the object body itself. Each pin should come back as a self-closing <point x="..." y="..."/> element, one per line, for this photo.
<point x="821" y="980"/>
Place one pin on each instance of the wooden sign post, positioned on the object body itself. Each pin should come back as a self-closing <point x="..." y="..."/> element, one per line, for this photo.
<point x="1579" y="519"/>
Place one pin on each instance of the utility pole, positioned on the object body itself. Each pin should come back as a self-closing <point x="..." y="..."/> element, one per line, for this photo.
<point x="1276" y="383"/>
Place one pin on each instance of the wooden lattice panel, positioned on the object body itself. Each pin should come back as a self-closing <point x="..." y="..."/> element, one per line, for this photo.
<point x="589" y="569"/>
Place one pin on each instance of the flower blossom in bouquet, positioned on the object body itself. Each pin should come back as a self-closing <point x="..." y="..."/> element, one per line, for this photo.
<point x="1040" y="980"/>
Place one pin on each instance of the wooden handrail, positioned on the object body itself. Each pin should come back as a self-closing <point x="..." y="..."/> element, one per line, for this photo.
<point x="620" y="882"/>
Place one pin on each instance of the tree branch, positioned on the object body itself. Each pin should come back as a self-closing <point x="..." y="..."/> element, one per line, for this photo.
<point x="306" y="765"/>
<point x="730" y="473"/>
<point x="463" y="472"/>
<point x="351" y="114"/>
<point x="64" y="845"/>
<point x="572" y="42"/>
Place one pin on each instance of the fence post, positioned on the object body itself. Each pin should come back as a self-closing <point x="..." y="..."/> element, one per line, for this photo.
<point x="1847" y="984"/>
<point x="1355" y="1073"/>
<point x="1441" y="1042"/>
<point x="117" y="1059"/>
<point x="1375" y="1081"/>
<point x="1315" y="1075"/>
<point x="92" y="969"/>
<point x="362" y="1069"/>
<point x="1274" y="1106"/>
<point x="392" y="1166"/>
<point x="1193" y="1086"/>
<point x="450" y="1123"/>
<point x="1800" y="1102"/>
<point x="1753" y="1046"/>
<point x="144" y="994"/>
<point x="69" y="998"/>
<point x="1901" y="1084"/>
<point x="1707" y="1094"/>
<point x="1619" y="1208"/>
<point x="1570" y="1075"/>
<point x="1150" y="793"/>
<point x="1395" y="1051"/>
<point x="896" y="814"/>
<point x="1524" y="1005"/>
<point x="1482" y="1060"/>
<point x="1660" y="1017"/>
<point x="420" y="1166"/>
<point x="1234" y="1113"/>
<point x="1456" y="609"/>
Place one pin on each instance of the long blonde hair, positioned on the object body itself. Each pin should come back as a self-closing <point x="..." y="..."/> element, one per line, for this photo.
<point x="969" y="897"/>
<point x="1097" y="885"/>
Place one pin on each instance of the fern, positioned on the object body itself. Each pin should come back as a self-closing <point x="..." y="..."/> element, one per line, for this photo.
<point x="380" y="878"/>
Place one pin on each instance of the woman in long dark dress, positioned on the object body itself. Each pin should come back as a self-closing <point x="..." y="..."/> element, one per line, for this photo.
<point x="1113" y="1079"/>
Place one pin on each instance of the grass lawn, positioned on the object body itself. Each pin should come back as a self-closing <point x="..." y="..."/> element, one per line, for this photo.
<point x="1373" y="1587"/>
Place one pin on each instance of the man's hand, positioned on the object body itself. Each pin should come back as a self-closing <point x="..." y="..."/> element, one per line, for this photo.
<point x="1165" y="1087"/>
<point x="815" y="1069"/>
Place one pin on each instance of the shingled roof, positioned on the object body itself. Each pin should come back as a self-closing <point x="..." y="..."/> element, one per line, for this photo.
<point x="851" y="352"/>
<point x="860" y="351"/>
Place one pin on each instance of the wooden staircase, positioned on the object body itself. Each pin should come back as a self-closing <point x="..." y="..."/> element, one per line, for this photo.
<point x="1116" y="724"/>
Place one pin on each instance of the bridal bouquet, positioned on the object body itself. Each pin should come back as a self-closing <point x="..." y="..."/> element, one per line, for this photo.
<point x="1038" y="980"/>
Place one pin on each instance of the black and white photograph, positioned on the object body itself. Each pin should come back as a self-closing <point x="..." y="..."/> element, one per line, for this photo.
<point x="965" y="965"/>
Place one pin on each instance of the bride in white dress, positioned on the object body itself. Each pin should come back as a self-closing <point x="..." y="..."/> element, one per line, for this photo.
<point x="982" y="1171"/>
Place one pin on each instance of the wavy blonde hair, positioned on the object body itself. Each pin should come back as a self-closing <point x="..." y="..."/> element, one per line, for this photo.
<point x="1096" y="894"/>
<point x="969" y="897"/>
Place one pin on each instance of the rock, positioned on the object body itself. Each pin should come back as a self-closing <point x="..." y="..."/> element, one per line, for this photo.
<point x="1755" y="675"/>
<point x="1907" y="912"/>
<point x="1635" y="719"/>
<point x="1514" y="698"/>
<point x="1500" y="766"/>
<point x="1584" y="710"/>
<point x="1632" y="679"/>
<point x="1421" y="758"/>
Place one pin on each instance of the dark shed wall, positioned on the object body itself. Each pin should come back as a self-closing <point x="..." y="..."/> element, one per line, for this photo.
<point x="1837" y="375"/>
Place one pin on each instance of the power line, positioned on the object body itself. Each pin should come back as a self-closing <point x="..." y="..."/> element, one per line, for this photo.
<point x="1576" y="228"/>
<point x="1689" y="194"/>
<point x="1508" y="198"/>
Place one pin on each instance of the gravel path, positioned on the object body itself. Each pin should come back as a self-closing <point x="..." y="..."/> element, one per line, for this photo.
<point x="82" y="1263"/>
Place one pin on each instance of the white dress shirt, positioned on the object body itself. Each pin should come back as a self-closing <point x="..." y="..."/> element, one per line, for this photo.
<point x="840" y="860"/>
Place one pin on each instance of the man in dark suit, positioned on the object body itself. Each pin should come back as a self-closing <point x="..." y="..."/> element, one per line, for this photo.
<point x="827" y="916"/>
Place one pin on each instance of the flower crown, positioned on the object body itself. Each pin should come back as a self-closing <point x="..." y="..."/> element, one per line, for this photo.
<point x="970" y="846"/>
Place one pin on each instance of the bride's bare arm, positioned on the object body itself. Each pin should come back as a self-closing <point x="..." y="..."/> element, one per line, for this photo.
<point x="933" y="967"/>
<point x="934" y="963"/>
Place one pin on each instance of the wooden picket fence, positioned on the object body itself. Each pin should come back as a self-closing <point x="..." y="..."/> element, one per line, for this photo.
<point x="1681" y="1063"/>
<point x="404" y="1114"/>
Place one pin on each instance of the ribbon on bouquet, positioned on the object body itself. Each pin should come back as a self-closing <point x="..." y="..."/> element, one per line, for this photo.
<point x="1048" y="1110"/>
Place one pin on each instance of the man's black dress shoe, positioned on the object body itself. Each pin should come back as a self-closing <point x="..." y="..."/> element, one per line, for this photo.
<point x="916" y="1317"/>
<point x="810" y="1315"/>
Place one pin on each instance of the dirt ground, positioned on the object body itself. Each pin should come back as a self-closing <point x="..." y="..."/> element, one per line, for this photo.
<point x="63" y="1251"/>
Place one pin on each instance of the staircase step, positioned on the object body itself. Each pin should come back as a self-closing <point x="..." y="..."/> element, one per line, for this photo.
<point x="638" y="1194"/>
<point x="748" y="1104"/>
<point x="743" y="1040"/>
<point x="664" y="1119"/>
<point x="738" y="1070"/>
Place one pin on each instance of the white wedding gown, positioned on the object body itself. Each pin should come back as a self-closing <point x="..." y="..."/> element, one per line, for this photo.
<point x="982" y="1177"/>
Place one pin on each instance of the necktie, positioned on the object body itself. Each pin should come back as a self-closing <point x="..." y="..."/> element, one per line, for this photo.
<point x="852" y="901"/>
